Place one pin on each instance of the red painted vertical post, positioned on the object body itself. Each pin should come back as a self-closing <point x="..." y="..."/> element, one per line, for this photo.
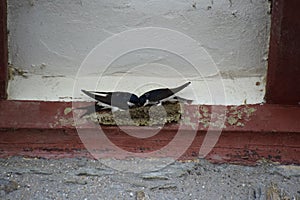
<point x="3" y="50"/>
<point x="283" y="78"/>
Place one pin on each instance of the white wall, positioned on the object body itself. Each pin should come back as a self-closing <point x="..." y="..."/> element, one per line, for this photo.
<point x="50" y="38"/>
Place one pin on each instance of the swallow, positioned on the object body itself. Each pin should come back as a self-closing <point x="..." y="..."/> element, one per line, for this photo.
<point x="126" y="100"/>
<point x="157" y="95"/>
<point x="122" y="100"/>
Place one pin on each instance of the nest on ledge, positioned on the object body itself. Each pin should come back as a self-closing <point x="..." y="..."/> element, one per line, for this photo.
<point x="149" y="115"/>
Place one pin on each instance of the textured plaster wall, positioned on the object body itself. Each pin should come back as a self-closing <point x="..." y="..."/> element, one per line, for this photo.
<point x="50" y="38"/>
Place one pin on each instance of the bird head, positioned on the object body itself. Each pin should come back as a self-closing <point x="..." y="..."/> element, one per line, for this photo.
<point x="134" y="99"/>
<point x="142" y="100"/>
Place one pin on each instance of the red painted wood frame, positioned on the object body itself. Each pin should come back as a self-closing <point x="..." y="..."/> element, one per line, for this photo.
<point x="273" y="133"/>
<point x="283" y="79"/>
<point x="3" y="50"/>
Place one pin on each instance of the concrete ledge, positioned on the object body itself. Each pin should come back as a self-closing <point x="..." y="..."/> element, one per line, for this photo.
<point x="45" y="129"/>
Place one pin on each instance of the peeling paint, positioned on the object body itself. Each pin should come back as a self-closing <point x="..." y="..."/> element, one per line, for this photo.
<point x="14" y="71"/>
<point x="238" y="115"/>
<point x="235" y="116"/>
<point x="67" y="110"/>
<point x="66" y="122"/>
<point x="173" y="113"/>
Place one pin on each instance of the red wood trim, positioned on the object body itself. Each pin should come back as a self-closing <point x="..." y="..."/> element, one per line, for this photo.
<point x="3" y="50"/>
<point x="273" y="133"/>
<point x="283" y="78"/>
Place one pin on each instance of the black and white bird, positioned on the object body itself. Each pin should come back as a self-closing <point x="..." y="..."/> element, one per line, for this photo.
<point x="125" y="100"/>
<point x="157" y="95"/>
<point x="122" y="100"/>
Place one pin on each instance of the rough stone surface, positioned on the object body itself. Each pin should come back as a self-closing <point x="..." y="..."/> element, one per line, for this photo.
<point x="148" y="115"/>
<point x="81" y="178"/>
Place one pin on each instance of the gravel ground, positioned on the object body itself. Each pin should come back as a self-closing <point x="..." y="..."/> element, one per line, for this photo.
<point x="81" y="178"/>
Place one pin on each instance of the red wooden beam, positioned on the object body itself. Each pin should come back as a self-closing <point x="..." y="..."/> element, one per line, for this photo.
<point x="3" y="50"/>
<point x="283" y="78"/>
<point x="45" y="129"/>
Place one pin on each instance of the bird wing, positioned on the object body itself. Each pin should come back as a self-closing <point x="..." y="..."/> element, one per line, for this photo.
<point x="115" y="99"/>
<point x="99" y="96"/>
<point x="160" y="94"/>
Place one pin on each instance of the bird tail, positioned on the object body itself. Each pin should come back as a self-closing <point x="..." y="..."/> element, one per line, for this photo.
<point x="175" y="90"/>
<point x="88" y="94"/>
<point x="103" y="97"/>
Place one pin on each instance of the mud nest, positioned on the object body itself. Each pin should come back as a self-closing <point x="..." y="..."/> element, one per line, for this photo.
<point x="150" y="115"/>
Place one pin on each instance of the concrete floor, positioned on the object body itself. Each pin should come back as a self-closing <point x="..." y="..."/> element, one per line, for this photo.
<point x="81" y="178"/>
